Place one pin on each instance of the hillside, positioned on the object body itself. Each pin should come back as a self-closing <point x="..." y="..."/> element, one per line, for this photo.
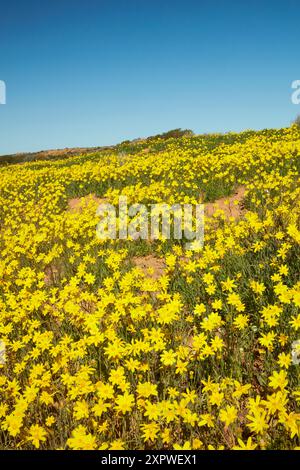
<point x="46" y="155"/>
<point x="145" y="344"/>
<point x="57" y="154"/>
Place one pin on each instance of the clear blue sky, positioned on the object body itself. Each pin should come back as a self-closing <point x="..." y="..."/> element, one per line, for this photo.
<point x="88" y="73"/>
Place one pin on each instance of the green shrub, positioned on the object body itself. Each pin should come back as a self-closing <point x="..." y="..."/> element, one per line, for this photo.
<point x="297" y="121"/>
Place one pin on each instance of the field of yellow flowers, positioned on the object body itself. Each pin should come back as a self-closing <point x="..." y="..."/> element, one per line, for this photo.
<point x="141" y="344"/>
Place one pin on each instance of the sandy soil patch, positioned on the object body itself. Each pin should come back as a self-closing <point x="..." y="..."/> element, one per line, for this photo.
<point x="150" y="266"/>
<point x="78" y="204"/>
<point x="232" y="206"/>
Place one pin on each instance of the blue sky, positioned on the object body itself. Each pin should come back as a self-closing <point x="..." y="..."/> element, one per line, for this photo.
<point x="88" y="73"/>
